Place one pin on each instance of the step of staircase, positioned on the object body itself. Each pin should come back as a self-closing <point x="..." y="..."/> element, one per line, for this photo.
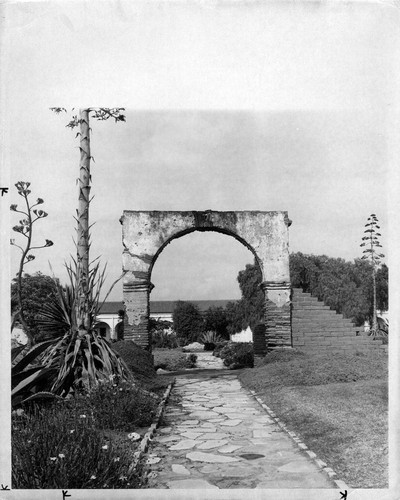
<point x="316" y="326"/>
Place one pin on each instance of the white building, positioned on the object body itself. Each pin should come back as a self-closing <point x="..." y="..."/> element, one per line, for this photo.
<point x="109" y="322"/>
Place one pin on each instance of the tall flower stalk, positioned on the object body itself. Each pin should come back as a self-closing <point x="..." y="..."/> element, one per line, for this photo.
<point x="81" y="120"/>
<point x="25" y="228"/>
<point x="371" y="242"/>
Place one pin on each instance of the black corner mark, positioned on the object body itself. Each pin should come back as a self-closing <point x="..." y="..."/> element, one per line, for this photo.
<point x="5" y="488"/>
<point x="344" y="495"/>
<point x="65" y="494"/>
<point x="4" y="190"/>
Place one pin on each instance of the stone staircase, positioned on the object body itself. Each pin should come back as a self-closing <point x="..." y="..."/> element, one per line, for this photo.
<point x="317" y="327"/>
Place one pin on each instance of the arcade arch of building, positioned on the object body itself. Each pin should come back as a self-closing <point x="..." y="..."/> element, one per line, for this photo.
<point x="146" y="233"/>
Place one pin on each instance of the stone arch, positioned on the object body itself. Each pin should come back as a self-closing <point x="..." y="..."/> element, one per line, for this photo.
<point x="145" y="234"/>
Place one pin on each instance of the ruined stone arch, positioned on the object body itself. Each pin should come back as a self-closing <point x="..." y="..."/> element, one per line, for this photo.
<point x="145" y="234"/>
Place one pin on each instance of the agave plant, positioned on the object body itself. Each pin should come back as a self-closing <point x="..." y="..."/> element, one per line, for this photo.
<point x="30" y="379"/>
<point x="83" y="357"/>
<point x="210" y="339"/>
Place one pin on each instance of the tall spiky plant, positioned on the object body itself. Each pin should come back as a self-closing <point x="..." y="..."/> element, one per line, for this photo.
<point x="371" y="242"/>
<point x="25" y="228"/>
<point x="81" y="120"/>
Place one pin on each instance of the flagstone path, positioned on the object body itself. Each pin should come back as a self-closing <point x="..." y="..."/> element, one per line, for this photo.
<point x="215" y="435"/>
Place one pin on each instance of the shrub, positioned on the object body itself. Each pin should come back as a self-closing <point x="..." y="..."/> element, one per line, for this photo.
<point x="137" y="359"/>
<point x="210" y="339"/>
<point x="238" y="355"/>
<point x="164" y="339"/>
<point x="218" y="347"/>
<point x="173" y="360"/>
<point x="60" y="448"/>
<point x="118" y="406"/>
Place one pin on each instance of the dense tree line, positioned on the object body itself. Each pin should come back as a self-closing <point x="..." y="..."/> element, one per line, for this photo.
<point x="344" y="286"/>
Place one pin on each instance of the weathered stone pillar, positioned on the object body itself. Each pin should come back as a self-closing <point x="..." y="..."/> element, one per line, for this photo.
<point x="259" y="341"/>
<point x="137" y="310"/>
<point x="278" y="330"/>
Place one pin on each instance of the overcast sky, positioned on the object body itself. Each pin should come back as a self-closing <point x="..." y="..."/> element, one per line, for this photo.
<point x="274" y="106"/>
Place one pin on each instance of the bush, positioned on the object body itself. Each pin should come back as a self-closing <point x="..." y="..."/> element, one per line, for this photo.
<point x="59" y="448"/>
<point x="238" y="355"/>
<point x="173" y="360"/>
<point x="218" y="347"/>
<point x="137" y="359"/>
<point x="164" y="339"/>
<point x="117" y="406"/>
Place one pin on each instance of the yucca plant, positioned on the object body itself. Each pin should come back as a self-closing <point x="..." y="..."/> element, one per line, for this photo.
<point x="82" y="357"/>
<point x="30" y="379"/>
<point x="210" y="339"/>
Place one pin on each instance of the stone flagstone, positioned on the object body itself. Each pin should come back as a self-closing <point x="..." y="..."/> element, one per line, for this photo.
<point x="232" y="423"/>
<point x="229" y="448"/>
<point x="186" y="444"/>
<point x="220" y="437"/>
<point x="180" y="469"/>
<point x="191" y="484"/>
<point x="198" y="456"/>
<point x="208" y="445"/>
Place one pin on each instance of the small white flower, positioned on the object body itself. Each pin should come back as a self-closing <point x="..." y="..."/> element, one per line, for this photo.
<point x="134" y="436"/>
<point x="19" y="412"/>
<point x="53" y="459"/>
<point x="92" y="477"/>
<point x="116" y="459"/>
<point x="72" y="431"/>
<point x="105" y="447"/>
<point x="61" y="455"/>
<point x="82" y="416"/>
<point x="123" y="478"/>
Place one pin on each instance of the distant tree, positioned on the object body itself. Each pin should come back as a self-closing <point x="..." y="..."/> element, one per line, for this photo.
<point x="188" y="322"/>
<point x="253" y="299"/>
<point x="216" y="321"/>
<point x="371" y="253"/>
<point x="344" y="286"/>
<point x="25" y="229"/>
<point x="235" y="316"/>
<point x="37" y="290"/>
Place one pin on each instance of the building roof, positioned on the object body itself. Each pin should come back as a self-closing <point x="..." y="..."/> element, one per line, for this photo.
<point x="165" y="306"/>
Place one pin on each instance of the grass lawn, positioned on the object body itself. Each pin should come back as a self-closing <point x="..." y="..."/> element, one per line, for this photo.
<point x="337" y="404"/>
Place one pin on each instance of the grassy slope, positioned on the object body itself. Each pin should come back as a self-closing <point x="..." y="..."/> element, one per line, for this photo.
<point x="336" y="403"/>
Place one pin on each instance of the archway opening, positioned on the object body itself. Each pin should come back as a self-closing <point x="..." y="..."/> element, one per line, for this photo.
<point x="201" y="268"/>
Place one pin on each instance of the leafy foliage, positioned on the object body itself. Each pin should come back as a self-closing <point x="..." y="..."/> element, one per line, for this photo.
<point x="61" y="447"/>
<point x="173" y="359"/>
<point x="82" y="357"/>
<point x="30" y="379"/>
<point x="215" y="320"/>
<point x="210" y="340"/>
<point x="188" y="322"/>
<point x="38" y="292"/>
<point x="117" y="405"/>
<point x="237" y="355"/>
<point x="344" y="286"/>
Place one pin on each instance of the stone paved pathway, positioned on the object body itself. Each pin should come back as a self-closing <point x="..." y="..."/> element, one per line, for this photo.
<point x="216" y="436"/>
